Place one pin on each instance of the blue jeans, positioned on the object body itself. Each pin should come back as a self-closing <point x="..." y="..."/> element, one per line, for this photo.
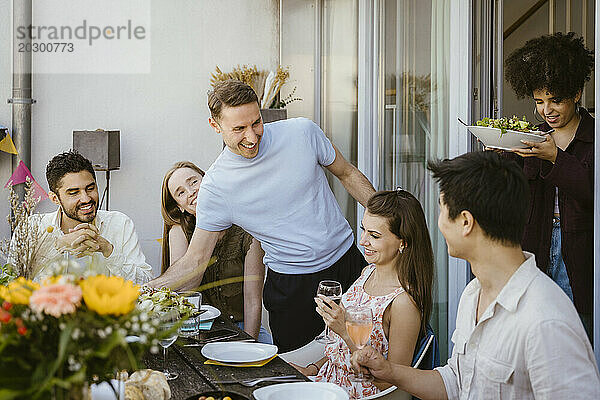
<point x="557" y="269"/>
<point x="263" y="335"/>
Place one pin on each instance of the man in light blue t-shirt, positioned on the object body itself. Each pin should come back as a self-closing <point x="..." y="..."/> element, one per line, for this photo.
<point x="270" y="181"/>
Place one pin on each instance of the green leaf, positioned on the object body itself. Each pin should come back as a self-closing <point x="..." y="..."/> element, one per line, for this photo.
<point x="107" y="346"/>
<point x="63" y="341"/>
<point x="9" y="394"/>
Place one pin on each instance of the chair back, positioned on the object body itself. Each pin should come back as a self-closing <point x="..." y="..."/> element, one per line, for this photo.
<point x="427" y="351"/>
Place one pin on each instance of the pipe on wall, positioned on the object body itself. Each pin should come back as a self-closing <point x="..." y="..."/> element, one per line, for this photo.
<point x="21" y="91"/>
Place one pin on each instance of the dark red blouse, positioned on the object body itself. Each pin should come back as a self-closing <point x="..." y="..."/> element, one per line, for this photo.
<point x="573" y="174"/>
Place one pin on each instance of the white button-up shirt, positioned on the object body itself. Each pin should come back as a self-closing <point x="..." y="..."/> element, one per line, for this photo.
<point x="528" y="344"/>
<point x="126" y="259"/>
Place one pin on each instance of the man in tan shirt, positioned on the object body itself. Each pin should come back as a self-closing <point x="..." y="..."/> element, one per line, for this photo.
<point x="518" y="336"/>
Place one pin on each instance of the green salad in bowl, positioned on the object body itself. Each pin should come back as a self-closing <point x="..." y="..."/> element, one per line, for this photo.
<point x="508" y="124"/>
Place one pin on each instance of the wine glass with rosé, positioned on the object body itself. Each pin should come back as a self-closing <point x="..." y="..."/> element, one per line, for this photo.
<point x="359" y="324"/>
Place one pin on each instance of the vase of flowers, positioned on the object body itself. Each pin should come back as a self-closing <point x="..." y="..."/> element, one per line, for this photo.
<point x="57" y="336"/>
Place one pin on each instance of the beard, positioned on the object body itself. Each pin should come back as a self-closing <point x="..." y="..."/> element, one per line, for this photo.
<point x="75" y="214"/>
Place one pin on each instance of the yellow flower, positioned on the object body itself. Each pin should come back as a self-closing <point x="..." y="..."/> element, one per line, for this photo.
<point x="18" y="291"/>
<point x="51" y="280"/>
<point x="109" y="295"/>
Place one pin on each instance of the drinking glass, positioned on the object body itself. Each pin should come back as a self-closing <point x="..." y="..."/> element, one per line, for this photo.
<point x="191" y="326"/>
<point x="359" y="324"/>
<point x="333" y="290"/>
<point x="168" y="320"/>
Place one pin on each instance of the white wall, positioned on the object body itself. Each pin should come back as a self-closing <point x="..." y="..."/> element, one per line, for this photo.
<point x="162" y="115"/>
<point x="5" y="110"/>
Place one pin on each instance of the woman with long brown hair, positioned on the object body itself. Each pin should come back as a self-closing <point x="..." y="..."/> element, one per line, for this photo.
<point x="237" y="272"/>
<point x="397" y="286"/>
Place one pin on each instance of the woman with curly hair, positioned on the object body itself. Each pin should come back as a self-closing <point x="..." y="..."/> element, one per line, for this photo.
<point x="234" y="282"/>
<point x="553" y="69"/>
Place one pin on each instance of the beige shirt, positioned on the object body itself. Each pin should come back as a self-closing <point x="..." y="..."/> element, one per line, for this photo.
<point x="126" y="259"/>
<point x="529" y="343"/>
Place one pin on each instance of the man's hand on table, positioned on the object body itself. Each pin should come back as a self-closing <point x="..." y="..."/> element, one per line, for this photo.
<point x="83" y="240"/>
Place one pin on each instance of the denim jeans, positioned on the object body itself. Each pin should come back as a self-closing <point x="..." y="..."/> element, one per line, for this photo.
<point x="263" y="335"/>
<point x="557" y="269"/>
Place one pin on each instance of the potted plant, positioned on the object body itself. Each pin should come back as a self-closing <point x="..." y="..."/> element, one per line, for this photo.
<point x="266" y="84"/>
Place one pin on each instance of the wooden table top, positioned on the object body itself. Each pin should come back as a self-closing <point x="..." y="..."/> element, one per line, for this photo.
<point x="195" y="377"/>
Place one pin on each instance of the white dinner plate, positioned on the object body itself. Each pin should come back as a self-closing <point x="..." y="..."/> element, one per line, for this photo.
<point x="211" y="313"/>
<point x="238" y="352"/>
<point x="301" y="391"/>
<point x="494" y="138"/>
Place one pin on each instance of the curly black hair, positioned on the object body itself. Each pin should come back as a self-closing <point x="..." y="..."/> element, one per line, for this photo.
<point x="64" y="163"/>
<point x="559" y="63"/>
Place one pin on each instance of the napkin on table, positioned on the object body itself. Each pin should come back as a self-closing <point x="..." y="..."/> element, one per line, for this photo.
<point x="250" y="364"/>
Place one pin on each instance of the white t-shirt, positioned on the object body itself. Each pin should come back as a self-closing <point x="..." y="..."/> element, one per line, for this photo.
<point x="281" y="197"/>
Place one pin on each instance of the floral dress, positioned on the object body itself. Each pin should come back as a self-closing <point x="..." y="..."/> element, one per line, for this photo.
<point x="337" y="368"/>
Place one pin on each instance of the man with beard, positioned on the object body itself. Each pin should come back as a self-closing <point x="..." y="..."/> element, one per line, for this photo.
<point x="105" y="242"/>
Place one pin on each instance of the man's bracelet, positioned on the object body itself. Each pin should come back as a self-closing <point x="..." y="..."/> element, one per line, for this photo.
<point x="316" y="366"/>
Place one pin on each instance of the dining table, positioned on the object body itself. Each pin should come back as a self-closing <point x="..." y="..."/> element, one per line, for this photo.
<point x="196" y="377"/>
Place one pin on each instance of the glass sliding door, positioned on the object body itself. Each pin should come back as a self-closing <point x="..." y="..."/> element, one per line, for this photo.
<point x="339" y="88"/>
<point x="402" y="83"/>
<point x="319" y="42"/>
<point x="414" y="39"/>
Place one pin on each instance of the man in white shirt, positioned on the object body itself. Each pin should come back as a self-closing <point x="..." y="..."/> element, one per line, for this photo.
<point x="104" y="241"/>
<point x="518" y="336"/>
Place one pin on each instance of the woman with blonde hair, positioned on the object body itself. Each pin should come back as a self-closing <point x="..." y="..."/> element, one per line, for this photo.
<point x="234" y="282"/>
